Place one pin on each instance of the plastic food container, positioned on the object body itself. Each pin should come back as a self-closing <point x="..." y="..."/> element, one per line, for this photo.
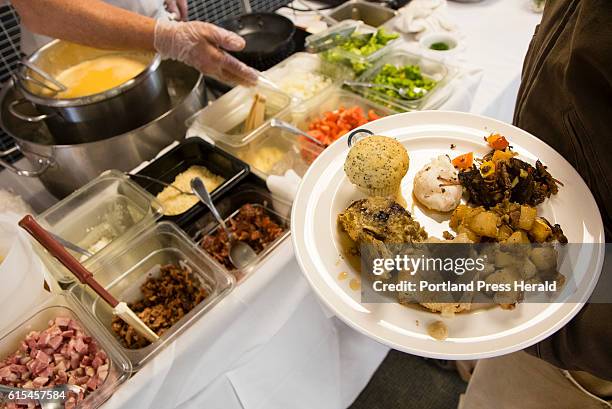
<point x="193" y="151"/>
<point x="247" y="193"/>
<point x="273" y="152"/>
<point x="123" y="273"/>
<point x="65" y="305"/>
<point x="223" y="120"/>
<point x="431" y="69"/>
<point x="96" y="216"/>
<point x="359" y="63"/>
<point x="291" y="74"/>
<point x="332" y="100"/>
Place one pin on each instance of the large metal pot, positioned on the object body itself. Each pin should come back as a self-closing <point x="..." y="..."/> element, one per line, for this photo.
<point x="93" y="117"/>
<point x="64" y="168"/>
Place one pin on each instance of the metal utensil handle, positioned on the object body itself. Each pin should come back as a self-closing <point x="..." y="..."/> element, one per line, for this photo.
<point x="44" y="163"/>
<point x="354" y="136"/>
<point x="61" y="254"/>
<point x="277" y="123"/>
<point x="202" y="193"/>
<point x="369" y="85"/>
<point x="161" y="182"/>
<point x="28" y="118"/>
<point x="70" y="245"/>
<point x="46" y="76"/>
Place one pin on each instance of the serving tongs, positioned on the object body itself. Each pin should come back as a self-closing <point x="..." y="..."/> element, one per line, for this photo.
<point x="57" y="86"/>
<point x="58" y="251"/>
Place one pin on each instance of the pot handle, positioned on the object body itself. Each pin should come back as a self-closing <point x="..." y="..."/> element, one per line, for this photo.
<point x="43" y="162"/>
<point x="13" y="110"/>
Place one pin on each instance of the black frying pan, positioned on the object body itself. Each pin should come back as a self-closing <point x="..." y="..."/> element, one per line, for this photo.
<point x="267" y="36"/>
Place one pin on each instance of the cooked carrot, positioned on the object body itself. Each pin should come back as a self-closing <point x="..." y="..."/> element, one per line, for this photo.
<point x="497" y="141"/>
<point x="464" y="161"/>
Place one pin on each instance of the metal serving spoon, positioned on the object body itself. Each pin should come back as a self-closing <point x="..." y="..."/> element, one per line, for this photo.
<point x="240" y="253"/>
<point x="277" y="123"/>
<point x="402" y="91"/>
<point x="71" y="246"/>
<point x="161" y="182"/>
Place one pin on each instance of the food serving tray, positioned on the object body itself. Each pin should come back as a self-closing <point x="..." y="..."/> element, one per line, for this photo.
<point x="123" y="272"/>
<point x="251" y="191"/>
<point x="325" y="192"/>
<point x="189" y="152"/>
<point x="65" y="305"/>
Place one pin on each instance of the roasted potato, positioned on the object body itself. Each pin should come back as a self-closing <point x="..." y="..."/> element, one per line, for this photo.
<point x="485" y="224"/>
<point x="540" y="230"/>
<point x="528" y="215"/>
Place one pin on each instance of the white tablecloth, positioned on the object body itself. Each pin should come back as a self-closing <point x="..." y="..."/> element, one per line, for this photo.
<point x="269" y="344"/>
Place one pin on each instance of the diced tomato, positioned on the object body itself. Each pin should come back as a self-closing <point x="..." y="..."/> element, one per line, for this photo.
<point x="497" y="142"/>
<point x="464" y="161"/>
<point x="331" y="125"/>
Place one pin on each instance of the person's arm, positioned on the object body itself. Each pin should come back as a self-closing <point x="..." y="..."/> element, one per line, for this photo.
<point x="93" y="23"/>
<point x="101" y="25"/>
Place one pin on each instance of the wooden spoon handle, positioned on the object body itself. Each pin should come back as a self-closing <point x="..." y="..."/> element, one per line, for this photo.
<point x="61" y="254"/>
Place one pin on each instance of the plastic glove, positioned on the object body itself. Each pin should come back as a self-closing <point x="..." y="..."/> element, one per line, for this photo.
<point x="178" y="8"/>
<point x="203" y="46"/>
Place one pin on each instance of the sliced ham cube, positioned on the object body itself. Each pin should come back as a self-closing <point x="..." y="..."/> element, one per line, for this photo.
<point x="43" y="357"/>
<point x="80" y="346"/>
<point x="5" y="372"/>
<point x="56" y="341"/>
<point x="40" y="381"/>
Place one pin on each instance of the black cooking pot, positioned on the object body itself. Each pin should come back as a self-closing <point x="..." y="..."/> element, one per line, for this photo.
<point x="268" y="36"/>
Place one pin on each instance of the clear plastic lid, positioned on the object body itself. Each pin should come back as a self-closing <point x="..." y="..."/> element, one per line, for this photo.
<point x="123" y="272"/>
<point x="225" y="119"/>
<point x="65" y="305"/>
<point x="96" y="216"/>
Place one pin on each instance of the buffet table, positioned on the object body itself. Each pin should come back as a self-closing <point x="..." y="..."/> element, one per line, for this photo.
<point x="270" y="344"/>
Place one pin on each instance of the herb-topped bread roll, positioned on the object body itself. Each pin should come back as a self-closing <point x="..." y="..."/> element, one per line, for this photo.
<point x="376" y="165"/>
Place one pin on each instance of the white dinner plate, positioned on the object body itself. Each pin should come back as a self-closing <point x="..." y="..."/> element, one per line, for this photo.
<point x="326" y="191"/>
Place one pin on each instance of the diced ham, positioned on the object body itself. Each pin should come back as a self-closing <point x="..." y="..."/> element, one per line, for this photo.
<point x="43" y="357"/>
<point x="103" y="372"/>
<point x="18" y="368"/>
<point x="61" y="354"/>
<point x="5" y="372"/>
<point x="56" y="341"/>
<point x="80" y="346"/>
<point x="40" y="381"/>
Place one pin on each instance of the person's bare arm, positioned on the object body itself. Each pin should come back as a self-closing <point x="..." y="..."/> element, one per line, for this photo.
<point x="92" y="22"/>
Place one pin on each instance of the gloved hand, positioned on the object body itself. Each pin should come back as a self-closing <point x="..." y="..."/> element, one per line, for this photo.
<point x="178" y="8"/>
<point x="203" y="46"/>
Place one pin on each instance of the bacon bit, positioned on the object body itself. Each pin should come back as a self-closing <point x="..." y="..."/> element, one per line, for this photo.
<point x="497" y="141"/>
<point x="464" y="161"/>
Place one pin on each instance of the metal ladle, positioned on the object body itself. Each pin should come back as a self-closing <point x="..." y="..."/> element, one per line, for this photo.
<point x="277" y="123"/>
<point x="240" y="253"/>
<point x="48" y="77"/>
